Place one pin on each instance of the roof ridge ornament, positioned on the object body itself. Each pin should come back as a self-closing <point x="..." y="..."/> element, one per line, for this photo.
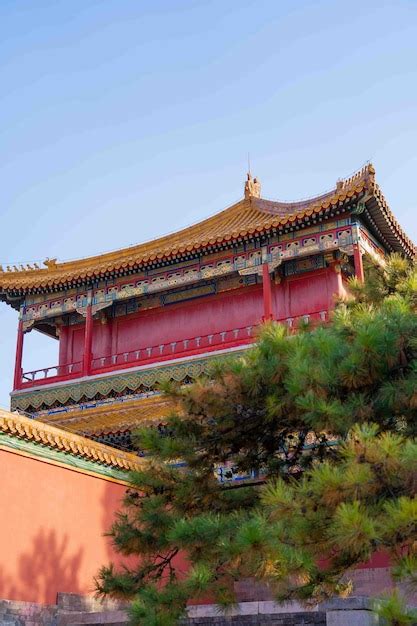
<point x="252" y="187"/>
<point x="367" y="173"/>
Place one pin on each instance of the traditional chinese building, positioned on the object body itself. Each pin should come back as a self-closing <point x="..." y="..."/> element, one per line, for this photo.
<point x="127" y="320"/>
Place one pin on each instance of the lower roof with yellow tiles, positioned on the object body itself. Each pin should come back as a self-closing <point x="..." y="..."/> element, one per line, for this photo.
<point x="111" y="417"/>
<point x="36" y="439"/>
<point x="249" y="218"/>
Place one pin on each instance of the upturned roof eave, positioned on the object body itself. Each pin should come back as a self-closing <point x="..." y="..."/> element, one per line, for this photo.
<point x="45" y="279"/>
<point x="248" y="218"/>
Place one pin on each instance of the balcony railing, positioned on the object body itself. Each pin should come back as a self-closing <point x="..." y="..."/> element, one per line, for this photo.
<point x="173" y="349"/>
<point x="72" y="370"/>
<point x="181" y="348"/>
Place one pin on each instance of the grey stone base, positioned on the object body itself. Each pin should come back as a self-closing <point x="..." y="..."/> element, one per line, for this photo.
<point x="289" y="619"/>
<point x="75" y="610"/>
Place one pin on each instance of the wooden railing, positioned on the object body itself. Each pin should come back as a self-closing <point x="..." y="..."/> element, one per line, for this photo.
<point x="55" y="371"/>
<point x="226" y="339"/>
<point x="173" y="349"/>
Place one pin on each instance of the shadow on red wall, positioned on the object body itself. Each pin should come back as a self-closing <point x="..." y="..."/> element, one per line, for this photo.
<point x="38" y="570"/>
<point x="112" y="503"/>
<point x="110" y="509"/>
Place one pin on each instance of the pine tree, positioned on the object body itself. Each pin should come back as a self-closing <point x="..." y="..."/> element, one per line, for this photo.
<point x="325" y="423"/>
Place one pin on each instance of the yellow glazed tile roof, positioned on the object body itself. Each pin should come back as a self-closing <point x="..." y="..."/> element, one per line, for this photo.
<point x="250" y="216"/>
<point x="64" y="441"/>
<point x="113" y="417"/>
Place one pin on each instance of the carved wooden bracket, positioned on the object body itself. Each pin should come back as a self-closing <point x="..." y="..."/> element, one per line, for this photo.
<point x="95" y="308"/>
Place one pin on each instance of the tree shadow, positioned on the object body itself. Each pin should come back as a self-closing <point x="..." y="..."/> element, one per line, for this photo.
<point x="46" y="569"/>
<point x="112" y="503"/>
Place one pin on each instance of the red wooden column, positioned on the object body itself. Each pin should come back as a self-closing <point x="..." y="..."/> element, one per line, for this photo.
<point x="88" y="337"/>
<point x="357" y="260"/>
<point x="267" y="292"/>
<point x="17" y="382"/>
<point x="334" y="265"/>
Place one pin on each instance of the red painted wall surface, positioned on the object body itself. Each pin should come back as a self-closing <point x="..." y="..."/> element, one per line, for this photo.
<point x="51" y="530"/>
<point x="52" y="526"/>
<point x="171" y="323"/>
<point x="299" y="295"/>
<point x="71" y="344"/>
<point x="306" y="293"/>
<point x="201" y="317"/>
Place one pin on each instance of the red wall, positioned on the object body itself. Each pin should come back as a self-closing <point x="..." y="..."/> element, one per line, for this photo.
<point x="166" y="324"/>
<point x="71" y="342"/>
<point x="307" y="293"/>
<point x="176" y="322"/>
<point x="52" y="526"/>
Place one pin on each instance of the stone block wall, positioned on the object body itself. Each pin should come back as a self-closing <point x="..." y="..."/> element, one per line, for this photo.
<point x="70" y="609"/>
<point x="277" y="619"/>
<point x="14" y="613"/>
<point x="76" y="610"/>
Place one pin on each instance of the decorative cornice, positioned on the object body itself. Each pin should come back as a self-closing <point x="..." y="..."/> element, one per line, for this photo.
<point x="30" y="430"/>
<point x="119" y="383"/>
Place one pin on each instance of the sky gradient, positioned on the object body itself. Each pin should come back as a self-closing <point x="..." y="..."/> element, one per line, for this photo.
<point x="125" y="120"/>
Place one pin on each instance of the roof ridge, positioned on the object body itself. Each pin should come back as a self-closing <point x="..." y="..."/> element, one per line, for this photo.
<point x="55" y="264"/>
<point x="247" y="217"/>
<point x="365" y="172"/>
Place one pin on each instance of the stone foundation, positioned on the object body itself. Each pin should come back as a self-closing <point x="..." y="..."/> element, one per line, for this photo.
<point x="256" y="614"/>
<point x="75" y="610"/>
<point x="70" y="609"/>
<point x="295" y="619"/>
<point x="14" y="613"/>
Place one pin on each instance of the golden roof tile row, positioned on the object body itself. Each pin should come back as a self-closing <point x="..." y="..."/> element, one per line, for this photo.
<point x="67" y="442"/>
<point x="113" y="417"/>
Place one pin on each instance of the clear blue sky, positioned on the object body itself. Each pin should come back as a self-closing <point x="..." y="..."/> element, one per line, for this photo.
<point x="122" y="119"/>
